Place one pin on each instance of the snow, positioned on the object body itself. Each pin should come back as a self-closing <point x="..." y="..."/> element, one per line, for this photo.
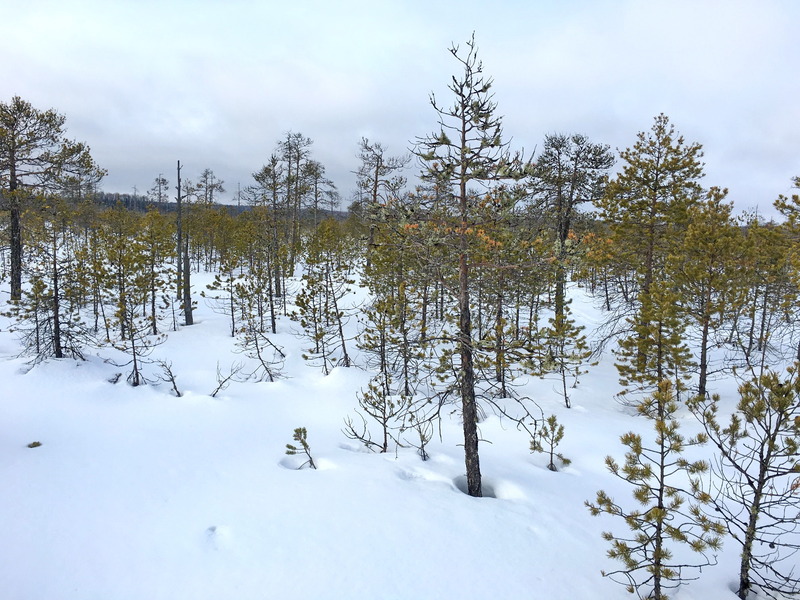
<point x="137" y="494"/>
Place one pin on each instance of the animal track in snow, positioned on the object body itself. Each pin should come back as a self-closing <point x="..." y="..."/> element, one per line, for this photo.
<point x="219" y="537"/>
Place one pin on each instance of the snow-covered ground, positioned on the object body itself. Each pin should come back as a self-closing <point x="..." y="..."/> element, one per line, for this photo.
<point x="137" y="494"/>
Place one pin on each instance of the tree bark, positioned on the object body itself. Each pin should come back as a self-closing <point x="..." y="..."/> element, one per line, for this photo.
<point x="15" y="234"/>
<point x="187" y="287"/>
<point x="179" y="227"/>
<point x="468" y="404"/>
<point x="57" y="345"/>
<point x="469" y="407"/>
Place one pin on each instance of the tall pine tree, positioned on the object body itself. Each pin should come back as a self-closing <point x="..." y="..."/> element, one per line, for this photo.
<point x="467" y="150"/>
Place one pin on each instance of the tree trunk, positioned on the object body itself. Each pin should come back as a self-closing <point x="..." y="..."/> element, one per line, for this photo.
<point x="135" y="376"/>
<point x="468" y="404"/>
<point x="762" y="331"/>
<point x="273" y="322"/>
<point x="187" y="288"/>
<point x="745" y="564"/>
<point x="15" y="234"/>
<point x="345" y="362"/>
<point x="179" y="227"/>
<point x="747" y="550"/>
<point x="560" y="296"/>
<point x="500" y="350"/>
<point x="57" y="351"/>
<point x="423" y="321"/>
<point x="563" y="370"/>
<point x="658" y="550"/>
<point x="701" y="388"/>
<point x="153" y="294"/>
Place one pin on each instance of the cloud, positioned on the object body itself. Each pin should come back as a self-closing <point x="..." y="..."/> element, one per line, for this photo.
<point x="217" y="84"/>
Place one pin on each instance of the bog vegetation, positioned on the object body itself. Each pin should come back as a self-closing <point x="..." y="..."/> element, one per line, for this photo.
<point x="468" y="276"/>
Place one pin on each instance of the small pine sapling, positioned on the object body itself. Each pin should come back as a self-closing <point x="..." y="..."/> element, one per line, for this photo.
<point x="549" y="435"/>
<point x="757" y="487"/>
<point x="301" y="437"/>
<point x="648" y="565"/>
<point x="568" y="350"/>
<point x="423" y="427"/>
<point x="255" y="344"/>
<point x="381" y="406"/>
<point x="223" y="380"/>
<point x="169" y="376"/>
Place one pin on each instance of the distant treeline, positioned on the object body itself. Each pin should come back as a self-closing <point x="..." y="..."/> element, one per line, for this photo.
<point x="141" y="203"/>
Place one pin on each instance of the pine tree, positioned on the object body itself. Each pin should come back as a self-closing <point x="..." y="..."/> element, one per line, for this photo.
<point x="378" y="183"/>
<point x="92" y="269"/>
<point x="381" y="405"/>
<point x="549" y="435"/>
<point x="503" y="257"/>
<point x="789" y="207"/>
<point x="655" y="351"/>
<point x="128" y="285"/>
<point x="256" y="345"/>
<point x="390" y="337"/>
<point x="35" y="159"/>
<point x="155" y="235"/>
<point x="706" y="268"/>
<point x="320" y="308"/>
<point x="646" y="209"/>
<point x="301" y="437"/>
<point x="661" y="517"/>
<point x="48" y="315"/>
<point x="771" y="296"/>
<point x="757" y="479"/>
<point x="158" y="194"/>
<point x="271" y="194"/>
<point x="295" y="151"/>
<point x="475" y="154"/>
<point x="646" y="205"/>
<point x="566" y="348"/>
<point x="569" y="171"/>
<point x="226" y="289"/>
<point x="257" y="285"/>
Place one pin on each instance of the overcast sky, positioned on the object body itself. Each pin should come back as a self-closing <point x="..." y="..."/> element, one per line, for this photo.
<point x="216" y="84"/>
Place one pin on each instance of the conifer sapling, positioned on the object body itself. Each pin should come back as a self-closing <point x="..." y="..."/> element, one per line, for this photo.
<point x="548" y="436"/>
<point x="660" y="517"/>
<point x="300" y="436"/>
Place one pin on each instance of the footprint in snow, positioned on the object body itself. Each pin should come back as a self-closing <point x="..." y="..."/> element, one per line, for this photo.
<point x="218" y="537"/>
